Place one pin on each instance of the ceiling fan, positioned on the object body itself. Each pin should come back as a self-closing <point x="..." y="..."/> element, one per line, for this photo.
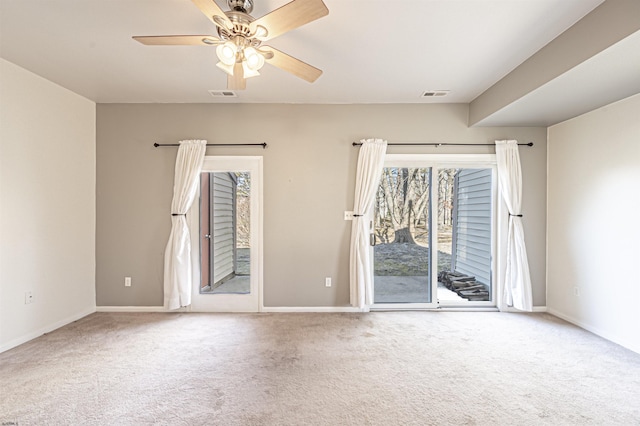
<point x="240" y="38"/>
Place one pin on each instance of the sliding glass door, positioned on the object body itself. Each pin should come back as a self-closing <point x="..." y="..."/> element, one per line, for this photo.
<point x="433" y="232"/>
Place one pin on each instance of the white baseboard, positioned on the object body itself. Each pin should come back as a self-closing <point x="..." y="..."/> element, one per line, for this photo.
<point x="47" y="329"/>
<point x="595" y="330"/>
<point x="535" y="309"/>
<point x="379" y="309"/>
<point x="263" y="309"/>
<point x="327" y="309"/>
<point x="139" y="309"/>
<point x="284" y="309"/>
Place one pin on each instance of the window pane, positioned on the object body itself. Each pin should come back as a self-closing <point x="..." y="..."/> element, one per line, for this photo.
<point x="401" y="229"/>
<point x="464" y="235"/>
<point x="225" y="210"/>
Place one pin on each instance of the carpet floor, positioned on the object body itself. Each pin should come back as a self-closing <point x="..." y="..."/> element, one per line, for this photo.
<point x="382" y="368"/>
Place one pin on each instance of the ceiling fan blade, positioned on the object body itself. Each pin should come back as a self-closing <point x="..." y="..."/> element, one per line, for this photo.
<point x="210" y="8"/>
<point x="237" y="80"/>
<point x="290" y="16"/>
<point x="291" y="64"/>
<point x="178" y="40"/>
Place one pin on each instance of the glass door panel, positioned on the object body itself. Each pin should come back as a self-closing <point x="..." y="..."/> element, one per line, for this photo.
<point x="465" y="218"/>
<point x="402" y="236"/>
<point x="225" y="226"/>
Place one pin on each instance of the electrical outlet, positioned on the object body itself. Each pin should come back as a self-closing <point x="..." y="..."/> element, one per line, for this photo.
<point x="28" y="297"/>
<point x="127" y="281"/>
<point x="348" y="215"/>
<point x="327" y="282"/>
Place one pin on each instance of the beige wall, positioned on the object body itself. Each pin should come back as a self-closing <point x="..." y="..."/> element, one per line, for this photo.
<point x="309" y="170"/>
<point x="47" y="205"/>
<point x="593" y="196"/>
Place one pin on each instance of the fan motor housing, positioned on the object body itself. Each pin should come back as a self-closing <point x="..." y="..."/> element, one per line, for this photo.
<point x="245" y="6"/>
<point x="241" y="26"/>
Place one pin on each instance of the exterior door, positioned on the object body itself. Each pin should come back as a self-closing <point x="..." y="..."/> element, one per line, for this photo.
<point x="433" y="231"/>
<point x="228" y="259"/>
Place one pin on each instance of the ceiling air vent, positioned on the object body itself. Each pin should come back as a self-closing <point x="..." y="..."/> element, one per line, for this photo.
<point x="435" y="93"/>
<point x="223" y="93"/>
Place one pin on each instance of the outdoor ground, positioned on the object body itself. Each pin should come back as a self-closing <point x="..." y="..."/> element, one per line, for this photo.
<point x="401" y="270"/>
<point x="404" y="259"/>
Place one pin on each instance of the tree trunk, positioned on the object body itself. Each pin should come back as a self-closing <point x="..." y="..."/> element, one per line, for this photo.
<point x="403" y="235"/>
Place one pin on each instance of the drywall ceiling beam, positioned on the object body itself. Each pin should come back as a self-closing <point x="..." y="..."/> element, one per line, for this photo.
<point x="600" y="29"/>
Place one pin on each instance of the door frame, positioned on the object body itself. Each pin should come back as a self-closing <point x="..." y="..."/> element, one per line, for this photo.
<point x="499" y="224"/>
<point x="252" y="302"/>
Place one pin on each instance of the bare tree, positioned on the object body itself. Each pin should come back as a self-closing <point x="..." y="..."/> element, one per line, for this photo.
<point x="243" y="204"/>
<point x="402" y="201"/>
<point x="445" y="195"/>
<point x="381" y="223"/>
<point x="403" y="204"/>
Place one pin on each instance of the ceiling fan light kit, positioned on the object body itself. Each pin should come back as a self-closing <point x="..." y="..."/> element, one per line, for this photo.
<point x="240" y="37"/>
<point x="227" y="53"/>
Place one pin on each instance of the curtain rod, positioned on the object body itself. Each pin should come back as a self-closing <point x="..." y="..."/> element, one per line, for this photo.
<point x="263" y="144"/>
<point x="439" y="144"/>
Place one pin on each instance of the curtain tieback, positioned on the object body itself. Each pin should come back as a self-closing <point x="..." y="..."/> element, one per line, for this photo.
<point x="178" y="214"/>
<point x="516" y="215"/>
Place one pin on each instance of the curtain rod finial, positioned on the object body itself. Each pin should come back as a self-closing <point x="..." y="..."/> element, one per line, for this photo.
<point x="156" y="144"/>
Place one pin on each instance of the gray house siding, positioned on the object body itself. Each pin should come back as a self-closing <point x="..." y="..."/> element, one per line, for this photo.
<point x="471" y="245"/>
<point x="224" y="207"/>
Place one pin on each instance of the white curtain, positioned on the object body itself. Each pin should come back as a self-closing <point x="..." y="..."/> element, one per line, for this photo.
<point x="177" y="255"/>
<point x="517" y="283"/>
<point x="368" y="172"/>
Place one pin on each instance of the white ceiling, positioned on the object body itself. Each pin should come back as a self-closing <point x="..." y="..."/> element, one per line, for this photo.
<point x="371" y="51"/>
